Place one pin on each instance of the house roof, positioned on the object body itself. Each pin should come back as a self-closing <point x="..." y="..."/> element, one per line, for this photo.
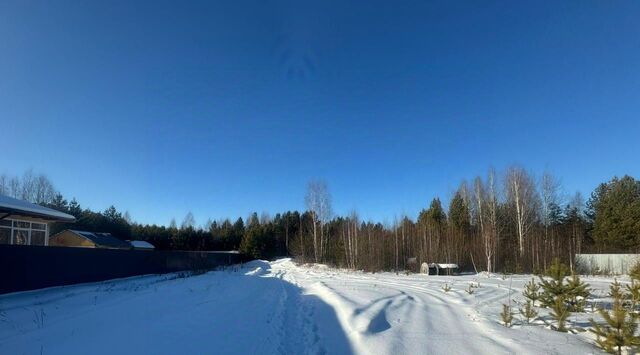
<point x="141" y="244"/>
<point x="13" y="206"/>
<point x="441" y="266"/>
<point x="104" y="240"/>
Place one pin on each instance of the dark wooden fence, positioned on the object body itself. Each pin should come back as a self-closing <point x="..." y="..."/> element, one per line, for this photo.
<point x="32" y="267"/>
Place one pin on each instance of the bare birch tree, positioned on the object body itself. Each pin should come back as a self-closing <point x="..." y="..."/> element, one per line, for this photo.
<point x="521" y="195"/>
<point x="549" y="188"/>
<point x="318" y="202"/>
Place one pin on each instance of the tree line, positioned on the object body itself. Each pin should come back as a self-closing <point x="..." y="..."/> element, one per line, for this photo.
<point x="511" y="222"/>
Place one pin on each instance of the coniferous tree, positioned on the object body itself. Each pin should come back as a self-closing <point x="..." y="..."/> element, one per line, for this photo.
<point x="532" y="291"/>
<point x="555" y="287"/>
<point x="560" y="312"/>
<point x="529" y="311"/>
<point x="506" y="315"/>
<point x="616" y="212"/>
<point x="620" y="327"/>
<point x="577" y="293"/>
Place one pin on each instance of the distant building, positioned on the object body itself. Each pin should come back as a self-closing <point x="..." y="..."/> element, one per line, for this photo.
<point x="438" y="269"/>
<point x="616" y="264"/>
<point x="25" y="223"/>
<point x="74" y="238"/>
<point x="141" y="245"/>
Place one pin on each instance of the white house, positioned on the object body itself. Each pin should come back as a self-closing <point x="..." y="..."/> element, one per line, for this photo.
<point x="25" y="223"/>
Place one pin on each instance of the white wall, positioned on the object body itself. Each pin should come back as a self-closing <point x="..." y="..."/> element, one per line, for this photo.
<point x="607" y="263"/>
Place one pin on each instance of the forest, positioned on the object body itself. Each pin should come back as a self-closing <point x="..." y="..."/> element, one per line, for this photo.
<point x="512" y="221"/>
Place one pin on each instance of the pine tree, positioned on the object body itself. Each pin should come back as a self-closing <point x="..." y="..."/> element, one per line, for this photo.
<point x="560" y="312"/>
<point x="446" y="287"/>
<point x="615" y="290"/>
<point x="577" y="293"/>
<point x="633" y="295"/>
<point x="634" y="273"/>
<point x="620" y="328"/>
<point x="529" y="311"/>
<point x="555" y="287"/>
<point x="506" y="315"/>
<point x="532" y="291"/>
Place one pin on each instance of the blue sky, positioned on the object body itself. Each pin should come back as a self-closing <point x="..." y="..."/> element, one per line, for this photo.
<point x="223" y="108"/>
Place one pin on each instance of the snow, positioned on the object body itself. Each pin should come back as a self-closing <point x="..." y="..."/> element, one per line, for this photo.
<point x="15" y="206"/>
<point x="141" y="244"/>
<point x="282" y="308"/>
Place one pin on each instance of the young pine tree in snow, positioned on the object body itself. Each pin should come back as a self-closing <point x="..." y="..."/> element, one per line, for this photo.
<point x="532" y="291"/>
<point x="560" y="312"/>
<point x="446" y="287"/>
<point x="634" y="273"/>
<point x="615" y="290"/>
<point x="506" y="315"/>
<point x="633" y="295"/>
<point x="529" y="311"/>
<point x="619" y="329"/>
<point x="554" y="288"/>
<point x="633" y="290"/>
<point x="577" y="293"/>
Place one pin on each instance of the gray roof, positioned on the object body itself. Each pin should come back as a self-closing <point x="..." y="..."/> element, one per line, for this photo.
<point x="104" y="240"/>
<point x="14" y="206"/>
<point x="141" y="244"/>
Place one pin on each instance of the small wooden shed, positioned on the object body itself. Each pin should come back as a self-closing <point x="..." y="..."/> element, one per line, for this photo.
<point x="438" y="269"/>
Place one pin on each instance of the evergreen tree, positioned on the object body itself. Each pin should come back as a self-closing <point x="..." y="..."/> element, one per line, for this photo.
<point x="620" y="327"/>
<point x="577" y="293"/>
<point x="532" y="291"/>
<point x="616" y="209"/>
<point x="554" y="288"/>
<point x="506" y="315"/>
<point x="560" y="312"/>
<point x="529" y="311"/>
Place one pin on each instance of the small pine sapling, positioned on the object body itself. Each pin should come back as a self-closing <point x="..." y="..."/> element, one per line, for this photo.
<point x="532" y="291"/>
<point x="554" y="288"/>
<point x="529" y="311"/>
<point x="560" y="312"/>
<point x="506" y="315"/>
<point x="619" y="329"/>
<point x="615" y="290"/>
<point x="633" y="294"/>
<point x="577" y="293"/>
<point x="634" y="273"/>
<point x="470" y="289"/>
<point x="446" y="287"/>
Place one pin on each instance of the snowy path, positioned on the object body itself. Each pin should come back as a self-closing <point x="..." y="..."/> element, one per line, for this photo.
<point x="276" y="308"/>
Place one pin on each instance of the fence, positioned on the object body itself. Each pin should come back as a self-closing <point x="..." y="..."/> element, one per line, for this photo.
<point x="25" y="267"/>
<point x="606" y="263"/>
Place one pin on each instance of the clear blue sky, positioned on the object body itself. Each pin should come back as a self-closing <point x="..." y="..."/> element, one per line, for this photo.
<point x="228" y="107"/>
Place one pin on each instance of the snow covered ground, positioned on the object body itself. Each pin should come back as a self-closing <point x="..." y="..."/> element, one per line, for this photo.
<point x="281" y="308"/>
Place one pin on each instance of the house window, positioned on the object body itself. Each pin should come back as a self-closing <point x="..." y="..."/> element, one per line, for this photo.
<point x="21" y="232"/>
<point x="21" y="236"/>
<point x="37" y="237"/>
<point x="21" y="224"/>
<point x="5" y="235"/>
